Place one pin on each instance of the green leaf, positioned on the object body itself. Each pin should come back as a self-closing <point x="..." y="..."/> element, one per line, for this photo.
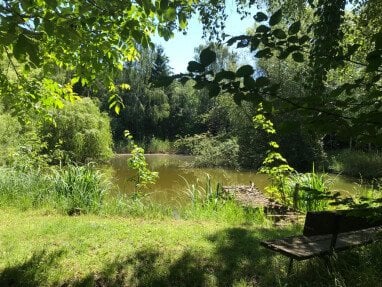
<point x="246" y="70"/>
<point x="262" y="81"/>
<point x="182" y="21"/>
<point x="238" y="98"/>
<point x="249" y="82"/>
<point x="117" y="108"/>
<point x="374" y="65"/>
<point x="294" y="28"/>
<point x="378" y="40"/>
<point x="170" y="14"/>
<point x="298" y="57"/>
<point x="352" y="49"/>
<point x="263" y="29"/>
<point x="213" y="89"/>
<point x="255" y="42"/>
<point x="293" y="39"/>
<point x="279" y="34"/>
<point x="225" y="75"/>
<point x="163" y="4"/>
<point x="265" y="53"/>
<point x="200" y="85"/>
<point x="303" y="39"/>
<point x="276" y="17"/>
<point x="260" y="16"/>
<point x="195" y="67"/>
<point x="207" y="57"/>
<point x="24" y="46"/>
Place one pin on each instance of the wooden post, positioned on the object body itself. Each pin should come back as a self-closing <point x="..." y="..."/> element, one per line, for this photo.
<point x="295" y="196"/>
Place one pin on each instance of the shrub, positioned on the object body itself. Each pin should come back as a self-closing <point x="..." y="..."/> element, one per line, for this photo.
<point x="159" y="146"/>
<point x="210" y="151"/>
<point x="357" y="164"/>
<point x="20" y="145"/>
<point x="79" y="133"/>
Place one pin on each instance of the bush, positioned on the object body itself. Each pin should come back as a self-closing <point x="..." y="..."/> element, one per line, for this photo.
<point x="20" y="145"/>
<point x="210" y="151"/>
<point x="357" y="164"/>
<point x="159" y="146"/>
<point x="79" y="133"/>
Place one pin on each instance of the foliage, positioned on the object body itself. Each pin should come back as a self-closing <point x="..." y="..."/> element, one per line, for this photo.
<point x="161" y="65"/>
<point x="329" y="108"/>
<point x="205" y="195"/>
<point x="34" y="34"/>
<point x="159" y="146"/>
<point x="367" y="165"/>
<point x="21" y="144"/>
<point x="146" y="107"/>
<point x="308" y="191"/>
<point x="210" y="151"/>
<point x="274" y="164"/>
<point x="79" y="133"/>
<point x="24" y="188"/>
<point x="137" y="163"/>
<point x="79" y="189"/>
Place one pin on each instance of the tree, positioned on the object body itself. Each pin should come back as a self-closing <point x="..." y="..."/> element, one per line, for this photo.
<point x="161" y="68"/>
<point x="324" y="49"/>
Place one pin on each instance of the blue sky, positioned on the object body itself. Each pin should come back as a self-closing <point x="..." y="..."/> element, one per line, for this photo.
<point x="180" y="49"/>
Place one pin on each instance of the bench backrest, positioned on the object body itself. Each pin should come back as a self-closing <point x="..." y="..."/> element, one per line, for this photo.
<point x="333" y="222"/>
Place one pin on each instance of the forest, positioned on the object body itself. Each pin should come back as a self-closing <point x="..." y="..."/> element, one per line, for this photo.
<point x="117" y="171"/>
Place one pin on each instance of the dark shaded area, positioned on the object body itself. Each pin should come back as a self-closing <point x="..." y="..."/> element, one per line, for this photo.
<point x="31" y="272"/>
<point x="237" y="257"/>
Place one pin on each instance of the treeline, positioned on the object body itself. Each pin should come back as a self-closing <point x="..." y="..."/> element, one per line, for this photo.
<point x="179" y="118"/>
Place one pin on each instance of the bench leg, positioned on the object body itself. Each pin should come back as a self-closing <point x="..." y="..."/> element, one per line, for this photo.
<point x="290" y="266"/>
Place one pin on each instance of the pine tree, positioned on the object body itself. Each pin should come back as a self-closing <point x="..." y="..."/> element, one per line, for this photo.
<point x="160" y="67"/>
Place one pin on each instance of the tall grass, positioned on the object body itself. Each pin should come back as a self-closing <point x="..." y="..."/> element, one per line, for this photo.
<point x="24" y="189"/>
<point x="209" y="201"/>
<point x="79" y="189"/>
<point x="308" y="191"/>
<point x="76" y="190"/>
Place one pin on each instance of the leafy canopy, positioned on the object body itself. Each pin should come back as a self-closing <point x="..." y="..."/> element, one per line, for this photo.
<point x="90" y="39"/>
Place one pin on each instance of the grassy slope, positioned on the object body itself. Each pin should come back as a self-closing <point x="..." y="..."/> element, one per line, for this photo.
<point x="39" y="248"/>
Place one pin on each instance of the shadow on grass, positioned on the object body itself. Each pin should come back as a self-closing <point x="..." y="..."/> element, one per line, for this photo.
<point x="235" y="260"/>
<point x="32" y="272"/>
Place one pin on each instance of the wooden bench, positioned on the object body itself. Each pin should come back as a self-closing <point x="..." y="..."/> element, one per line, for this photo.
<point x="330" y="231"/>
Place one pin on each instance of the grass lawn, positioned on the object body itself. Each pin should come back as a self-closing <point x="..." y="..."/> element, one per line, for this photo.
<point x="41" y="248"/>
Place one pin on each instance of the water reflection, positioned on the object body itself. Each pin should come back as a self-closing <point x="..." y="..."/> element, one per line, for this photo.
<point x="175" y="173"/>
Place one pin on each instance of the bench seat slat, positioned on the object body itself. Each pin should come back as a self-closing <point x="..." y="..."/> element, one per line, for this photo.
<point x="303" y="247"/>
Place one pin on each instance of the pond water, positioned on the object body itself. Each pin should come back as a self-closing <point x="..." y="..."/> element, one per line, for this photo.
<point x="176" y="175"/>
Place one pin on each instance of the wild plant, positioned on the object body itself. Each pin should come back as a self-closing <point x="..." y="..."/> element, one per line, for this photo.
<point x="137" y="162"/>
<point x="79" y="189"/>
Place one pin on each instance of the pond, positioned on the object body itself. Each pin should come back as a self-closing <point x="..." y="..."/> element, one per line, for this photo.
<point x="176" y="175"/>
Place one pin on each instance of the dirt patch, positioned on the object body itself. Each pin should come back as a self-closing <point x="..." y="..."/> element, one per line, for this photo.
<point x="251" y="196"/>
